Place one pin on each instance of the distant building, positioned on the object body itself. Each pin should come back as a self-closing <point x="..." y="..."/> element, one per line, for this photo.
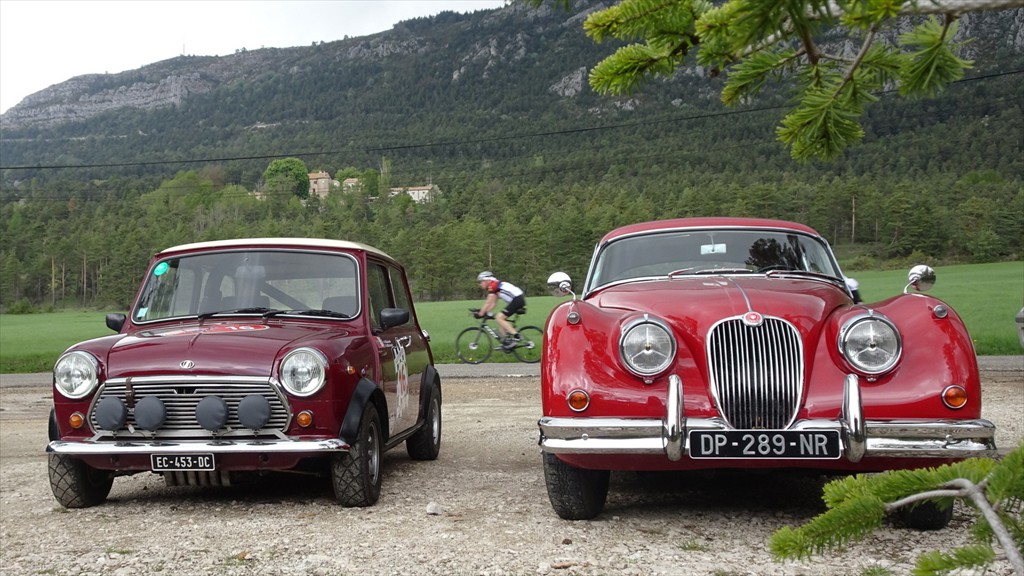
<point x="419" y="194"/>
<point x="320" y="183"/>
<point x="350" y="184"/>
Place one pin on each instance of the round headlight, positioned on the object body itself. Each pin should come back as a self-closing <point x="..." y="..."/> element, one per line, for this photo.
<point x="304" y="371"/>
<point x="76" y="374"/>
<point x="871" y="344"/>
<point x="647" y="347"/>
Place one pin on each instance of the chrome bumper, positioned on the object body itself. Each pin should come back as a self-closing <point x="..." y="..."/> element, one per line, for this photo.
<point x="248" y="446"/>
<point x="859" y="438"/>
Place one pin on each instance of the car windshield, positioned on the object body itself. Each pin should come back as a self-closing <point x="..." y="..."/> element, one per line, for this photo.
<point x="678" y="253"/>
<point x="250" y="281"/>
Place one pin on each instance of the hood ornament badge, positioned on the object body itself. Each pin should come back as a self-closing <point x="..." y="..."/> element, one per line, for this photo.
<point x="187" y="364"/>
<point x="753" y="318"/>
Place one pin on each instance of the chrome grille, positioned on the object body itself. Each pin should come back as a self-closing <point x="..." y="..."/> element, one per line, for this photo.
<point x="181" y="395"/>
<point x="756" y="372"/>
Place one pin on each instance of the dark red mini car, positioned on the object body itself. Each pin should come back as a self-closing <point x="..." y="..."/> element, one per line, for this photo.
<point x="247" y="356"/>
<point x="736" y="343"/>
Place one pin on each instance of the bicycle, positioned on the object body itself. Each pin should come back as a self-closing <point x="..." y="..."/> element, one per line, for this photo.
<point x="476" y="343"/>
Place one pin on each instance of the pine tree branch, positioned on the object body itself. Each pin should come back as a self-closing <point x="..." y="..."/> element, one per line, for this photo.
<point x="848" y="77"/>
<point x="963" y="488"/>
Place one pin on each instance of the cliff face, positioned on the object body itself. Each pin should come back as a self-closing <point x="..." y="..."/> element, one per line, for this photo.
<point x="458" y="49"/>
<point x="79" y="98"/>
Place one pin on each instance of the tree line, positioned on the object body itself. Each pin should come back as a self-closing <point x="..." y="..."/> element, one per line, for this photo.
<point x="87" y="244"/>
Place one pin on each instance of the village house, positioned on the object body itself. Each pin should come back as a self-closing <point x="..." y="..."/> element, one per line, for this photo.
<point x="419" y="194"/>
<point x="320" y="184"/>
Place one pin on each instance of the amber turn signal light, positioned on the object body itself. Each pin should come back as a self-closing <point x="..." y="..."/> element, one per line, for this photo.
<point x="954" y="397"/>
<point x="578" y="400"/>
<point x="76" y="420"/>
<point x="304" y="419"/>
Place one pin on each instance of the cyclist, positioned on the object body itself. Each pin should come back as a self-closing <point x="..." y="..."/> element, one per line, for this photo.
<point x="509" y="293"/>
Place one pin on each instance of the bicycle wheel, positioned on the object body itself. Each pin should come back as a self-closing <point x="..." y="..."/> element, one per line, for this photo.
<point x="473" y="345"/>
<point x="529" y="347"/>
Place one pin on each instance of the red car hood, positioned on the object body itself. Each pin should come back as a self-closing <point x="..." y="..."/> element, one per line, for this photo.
<point x="227" y="348"/>
<point x="694" y="304"/>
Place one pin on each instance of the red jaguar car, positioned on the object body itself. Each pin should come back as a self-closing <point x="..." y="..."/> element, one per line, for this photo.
<point x="715" y="343"/>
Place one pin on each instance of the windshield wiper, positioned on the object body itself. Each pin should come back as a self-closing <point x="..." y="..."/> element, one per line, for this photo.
<point x="251" y="310"/>
<point x="694" y="271"/>
<point x="808" y="274"/>
<point x="328" y="313"/>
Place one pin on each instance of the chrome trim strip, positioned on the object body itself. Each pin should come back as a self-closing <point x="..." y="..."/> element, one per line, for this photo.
<point x="90" y="448"/>
<point x="191" y="378"/>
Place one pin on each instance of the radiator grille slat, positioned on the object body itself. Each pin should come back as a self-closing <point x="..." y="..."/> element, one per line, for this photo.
<point x="756" y="372"/>
<point x="180" y="399"/>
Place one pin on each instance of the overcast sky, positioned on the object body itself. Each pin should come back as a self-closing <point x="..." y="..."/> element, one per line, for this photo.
<point x="45" y="42"/>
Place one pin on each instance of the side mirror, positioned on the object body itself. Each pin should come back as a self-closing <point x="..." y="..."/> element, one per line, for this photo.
<point x="391" y="317"/>
<point x="921" y="277"/>
<point x="560" y="284"/>
<point x="115" y="321"/>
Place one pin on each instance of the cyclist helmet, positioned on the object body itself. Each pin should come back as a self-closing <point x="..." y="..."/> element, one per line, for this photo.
<point x="485" y="275"/>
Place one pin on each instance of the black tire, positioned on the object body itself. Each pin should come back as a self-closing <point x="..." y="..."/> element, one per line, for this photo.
<point x="473" y="345"/>
<point x="356" y="474"/>
<point x="929" y="515"/>
<point x="529" y="347"/>
<point x="575" y="493"/>
<point x="75" y="484"/>
<point x="425" y="443"/>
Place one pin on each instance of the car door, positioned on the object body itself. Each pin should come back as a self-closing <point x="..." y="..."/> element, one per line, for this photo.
<point x="402" y="350"/>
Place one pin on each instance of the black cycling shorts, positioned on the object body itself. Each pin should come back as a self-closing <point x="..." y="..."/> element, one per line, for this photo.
<point x="517" y="304"/>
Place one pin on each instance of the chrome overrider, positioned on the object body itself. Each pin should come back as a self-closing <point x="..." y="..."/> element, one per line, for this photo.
<point x="859" y="438"/>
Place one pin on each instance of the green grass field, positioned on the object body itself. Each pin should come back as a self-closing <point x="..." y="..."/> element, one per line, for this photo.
<point x="987" y="296"/>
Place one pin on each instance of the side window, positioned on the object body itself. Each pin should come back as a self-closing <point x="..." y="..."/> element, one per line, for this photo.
<point x="402" y="299"/>
<point x="379" y="291"/>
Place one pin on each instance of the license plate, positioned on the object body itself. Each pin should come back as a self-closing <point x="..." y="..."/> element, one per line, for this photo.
<point x="181" y="462"/>
<point x="821" y="444"/>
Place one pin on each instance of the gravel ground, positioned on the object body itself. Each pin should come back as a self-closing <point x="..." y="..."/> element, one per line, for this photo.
<point x="480" y="509"/>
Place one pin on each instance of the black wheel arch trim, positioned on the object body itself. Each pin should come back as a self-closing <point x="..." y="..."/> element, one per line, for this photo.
<point x="362" y="395"/>
<point x="52" y="429"/>
<point x="430" y="377"/>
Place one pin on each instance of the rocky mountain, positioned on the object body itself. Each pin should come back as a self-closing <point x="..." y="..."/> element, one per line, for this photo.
<point x="448" y="77"/>
<point x="451" y="42"/>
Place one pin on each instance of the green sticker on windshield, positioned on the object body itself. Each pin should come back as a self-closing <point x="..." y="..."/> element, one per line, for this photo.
<point x="160" y="269"/>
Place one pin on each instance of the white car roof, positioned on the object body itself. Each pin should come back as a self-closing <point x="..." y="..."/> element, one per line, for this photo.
<point x="289" y="242"/>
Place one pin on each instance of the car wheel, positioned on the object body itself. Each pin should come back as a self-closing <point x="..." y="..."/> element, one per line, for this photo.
<point x="425" y="444"/>
<point x="929" y="515"/>
<point x="575" y="493"/>
<point x="356" y="474"/>
<point x="75" y="484"/>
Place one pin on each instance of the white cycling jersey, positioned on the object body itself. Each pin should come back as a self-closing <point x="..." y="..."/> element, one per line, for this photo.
<point x="505" y="290"/>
